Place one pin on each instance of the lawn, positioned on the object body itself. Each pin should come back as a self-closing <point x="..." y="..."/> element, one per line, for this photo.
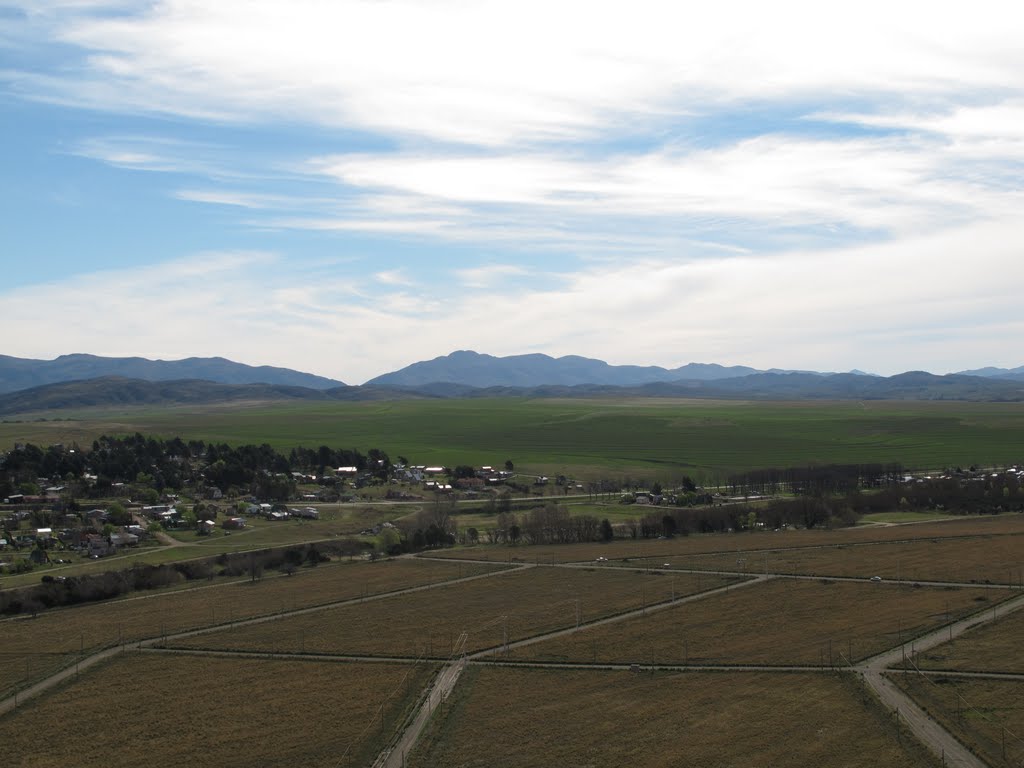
<point x="162" y="710"/>
<point x="513" y="605"/>
<point x="781" y="621"/>
<point x="529" y="718"/>
<point x="33" y="647"/>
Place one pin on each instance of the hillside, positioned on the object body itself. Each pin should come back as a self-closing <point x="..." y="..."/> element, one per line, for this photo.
<point x="477" y="370"/>
<point x="20" y="373"/>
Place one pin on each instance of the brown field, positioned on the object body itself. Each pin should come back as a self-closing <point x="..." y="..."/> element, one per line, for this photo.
<point x="994" y="647"/>
<point x="149" y="709"/>
<point x="983" y="714"/>
<point x="712" y="720"/>
<point x="988" y="559"/>
<point x="1000" y="525"/>
<point x="31" y="648"/>
<point x="524" y="603"/>
<point x="781" y="621"/>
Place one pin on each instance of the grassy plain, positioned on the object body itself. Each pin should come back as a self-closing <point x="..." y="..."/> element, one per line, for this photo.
<point x="148" y="709"/>
<point x="986" y="715"/>
<point x="781" y="621"/>
<point x="603" y="719"/>
<point x="590" y="438"/>
<point x="30" y="648"/>
<point x="521" y="604"/>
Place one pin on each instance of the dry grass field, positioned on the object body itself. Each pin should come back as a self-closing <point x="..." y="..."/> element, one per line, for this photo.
<point x="655" y="549"/>
<point x="781" y="621"/>
<point x="163" y="710"/>
<point x="986" y="715"/>
<point x="523" y="603"/>
<point x="30" y="648"/>
<point x="994" y="647"/>
<point x="987" y="559"/>
<point x="529" y="718"/>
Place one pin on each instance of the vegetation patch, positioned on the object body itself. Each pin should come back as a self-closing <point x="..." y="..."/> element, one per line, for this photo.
<point x="781" y="621"/>
<point x="489" y="611"/>
<point x="986" y="715"/>
<point x="599" y="719"/>
<point x="148" y="709"/>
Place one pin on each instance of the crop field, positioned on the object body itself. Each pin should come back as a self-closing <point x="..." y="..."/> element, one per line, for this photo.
<point x="150" y="709"/>
<point x="608" y="719"/>
<point x="986" y="715"/>
<point x="589" y="438"/>
<point x="513" y="605"/>
<point x="994" y="647"/>
<point x="656" y="551"/>
<point x="781" y="621"/>
<point x="996" y="559"/>
<point x="31" y="647"/>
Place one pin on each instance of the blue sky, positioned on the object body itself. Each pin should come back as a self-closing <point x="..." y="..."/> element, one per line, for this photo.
<point x="348" y="187"/>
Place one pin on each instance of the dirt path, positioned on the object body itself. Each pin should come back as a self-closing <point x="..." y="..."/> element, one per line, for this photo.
<point x="12" y="702"/>
<point x="940" y="741"/>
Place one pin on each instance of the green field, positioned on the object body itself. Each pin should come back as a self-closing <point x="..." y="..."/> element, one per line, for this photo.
<point x="590" y="438"/>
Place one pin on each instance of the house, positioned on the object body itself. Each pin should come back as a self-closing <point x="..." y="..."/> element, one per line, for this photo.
<point x="206" y="526"/>
<point x="233" y="524"/>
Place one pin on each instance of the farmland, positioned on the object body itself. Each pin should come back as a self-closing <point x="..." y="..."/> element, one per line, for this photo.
<point x="825" y="622"/>
<point x="201" y="711"/>
<point x="994" y="647"/>
<point x="511" y="605"/>
<point x="987" y="715"/>
<point x="33" y="647"/>
<point x="588" y="438"/>
<point x="606" y="719"/>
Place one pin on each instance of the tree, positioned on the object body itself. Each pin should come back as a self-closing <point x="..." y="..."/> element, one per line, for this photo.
<point x="607" y="534"/>
<point x="509" y="466"/>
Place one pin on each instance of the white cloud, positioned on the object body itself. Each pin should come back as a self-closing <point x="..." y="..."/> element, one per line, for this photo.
<point x="498" y="74"/>
<point x="940" y="302"/>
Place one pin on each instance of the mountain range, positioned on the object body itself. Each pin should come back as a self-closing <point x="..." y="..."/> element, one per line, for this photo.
<point x="21" y="373"/>
<point x="103" y="382"/>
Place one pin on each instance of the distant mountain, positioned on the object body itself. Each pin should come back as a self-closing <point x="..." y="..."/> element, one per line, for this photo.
<point x="477" y="370"/>
<point x="20" y="373"/>
<point x="116" y="391"/>
<point x="915" y="385"/>
<point x="1014" y="374"/>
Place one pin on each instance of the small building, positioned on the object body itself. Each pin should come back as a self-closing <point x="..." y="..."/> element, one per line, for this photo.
<point x="233" y="523"/>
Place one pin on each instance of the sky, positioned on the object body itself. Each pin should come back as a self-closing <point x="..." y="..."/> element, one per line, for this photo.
<point x="348" y="187"/>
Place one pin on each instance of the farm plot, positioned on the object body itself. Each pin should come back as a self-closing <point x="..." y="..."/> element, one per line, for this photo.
<point x="654" y="549"/>
<point x="513" y="606"/>
<point x="993" y="647"/>
<point x="781" y="621"/>
<point x="602" y="718"/>
<point x="985" y="714"/>
<point x="984" y="560"/>
<point x="148" y="709"/>
<point x="32" y="648"/>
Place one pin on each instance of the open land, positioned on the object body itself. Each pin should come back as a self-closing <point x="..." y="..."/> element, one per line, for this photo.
<point x="587" y="438"/>
<point x="145" y="709"/>
<point x="994" y="647"/>
<point x="509" y="606"/>
<point x="777" y="622"/>
<point x="985" y="714"/>
<point x="603" y="718"/>
<point x="32" y="647"/>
